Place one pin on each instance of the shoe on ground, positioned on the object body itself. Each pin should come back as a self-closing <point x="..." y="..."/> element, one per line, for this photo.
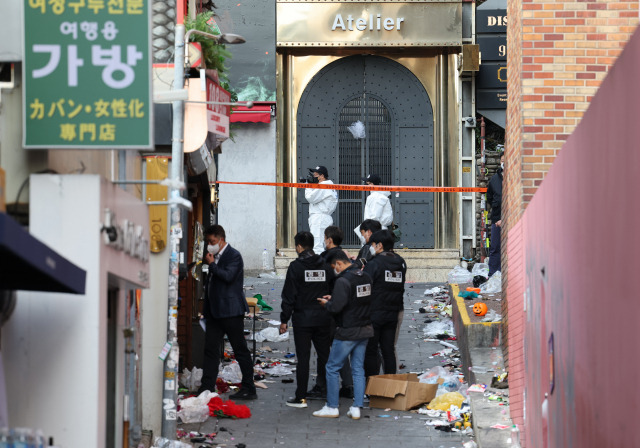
<point x="317" y="392"/>
<point x="327" y="412"/>
<point x="244" y="394"/>
<point x="346" y="392"/>
<point x="354" y="413"/>
<point x="296" y="402"/>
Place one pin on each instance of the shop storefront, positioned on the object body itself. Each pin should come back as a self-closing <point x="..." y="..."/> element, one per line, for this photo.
<point x="397" y="67"/>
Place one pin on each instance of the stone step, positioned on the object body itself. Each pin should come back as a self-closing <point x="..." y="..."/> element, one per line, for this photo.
<point x="423" y="265"/>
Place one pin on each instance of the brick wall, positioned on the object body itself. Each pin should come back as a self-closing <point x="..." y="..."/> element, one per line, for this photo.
<point x="558" y="54"/>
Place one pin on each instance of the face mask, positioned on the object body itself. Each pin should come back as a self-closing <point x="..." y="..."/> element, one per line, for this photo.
<point x="372" y="250"/>
<point x="362" y="240"/>
<point x="335" y="271"/>
<point x="324" y="245"/>
<point x="502" y="165"/>
<point x="213" y="249"/>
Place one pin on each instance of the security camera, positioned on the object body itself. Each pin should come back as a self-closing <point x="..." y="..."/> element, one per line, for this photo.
<point x="469" y="122"/>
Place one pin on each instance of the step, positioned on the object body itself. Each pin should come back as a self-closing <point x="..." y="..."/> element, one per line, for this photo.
<point x="423" y="265"/>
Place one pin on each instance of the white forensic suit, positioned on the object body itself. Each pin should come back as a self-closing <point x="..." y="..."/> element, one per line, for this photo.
<point x="322" y="203"/>
<point x="378" y="208"/>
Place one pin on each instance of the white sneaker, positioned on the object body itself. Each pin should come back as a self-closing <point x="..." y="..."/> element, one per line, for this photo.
<point x="327" y="412"/>
<point x="354" y="413"/>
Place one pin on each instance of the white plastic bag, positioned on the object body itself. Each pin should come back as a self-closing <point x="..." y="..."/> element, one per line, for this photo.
<point x="162" y="442"/>
<point x="357" y="129"/>
<point x="431" y="376"/>
<point x="278" y="370"/>
<point x="493" y="285"/>
<point x="272" y="334"/>
<point x="196" y="409"/>
<point x="433" y="291"/>
<point x="191" y="380"/>
<point x="492" y="316"/>
<point x="231" y="373"/>
<point x="435" y="328"/>
<point x="459" y="275"/>
<point x="480" y="269"/>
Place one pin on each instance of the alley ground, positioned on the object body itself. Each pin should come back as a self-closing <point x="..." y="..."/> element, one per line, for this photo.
<point x="273" y="424"/>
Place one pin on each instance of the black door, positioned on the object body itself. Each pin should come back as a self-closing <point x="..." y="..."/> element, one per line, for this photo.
<point x="398" y="144"/>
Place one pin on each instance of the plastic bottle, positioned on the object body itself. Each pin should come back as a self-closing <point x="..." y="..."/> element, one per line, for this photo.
<point x="6" y="441"/>
<point x="515" y="437"/>
<point x="265" y="260"/>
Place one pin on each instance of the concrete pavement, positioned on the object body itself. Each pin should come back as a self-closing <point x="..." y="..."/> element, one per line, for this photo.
<point x="273" y="424"/>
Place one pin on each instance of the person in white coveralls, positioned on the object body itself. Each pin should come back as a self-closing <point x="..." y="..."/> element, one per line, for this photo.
<point x="322" y="203"/>
<point x="378" y="206"/>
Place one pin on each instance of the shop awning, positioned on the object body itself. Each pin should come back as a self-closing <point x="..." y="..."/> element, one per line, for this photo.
<point x="259" y="113"/>
<point x="28" y="264"/>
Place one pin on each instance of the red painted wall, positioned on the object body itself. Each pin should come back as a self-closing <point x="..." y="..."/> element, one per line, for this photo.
<point x="581" y="250"/>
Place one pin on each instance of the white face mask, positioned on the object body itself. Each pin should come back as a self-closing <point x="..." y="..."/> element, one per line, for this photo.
<point x="213" y="249"/>
<point x="335" y="271"/>
<point x="324" y="245"/>
<point x="363" y="241"/>
<point x="502" y="165"/>
<point x="372" y="250"/>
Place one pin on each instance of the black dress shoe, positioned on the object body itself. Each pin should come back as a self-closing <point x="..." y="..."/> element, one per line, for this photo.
<point x="317" y="392"/>
<point x="244" y="394"/>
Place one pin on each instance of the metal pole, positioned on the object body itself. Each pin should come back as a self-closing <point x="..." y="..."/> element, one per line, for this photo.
<point x="170" y="380"/>
<point x="483" y="172"/>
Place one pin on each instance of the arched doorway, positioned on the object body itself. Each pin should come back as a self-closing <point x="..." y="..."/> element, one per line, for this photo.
<point x="398" y="119"/>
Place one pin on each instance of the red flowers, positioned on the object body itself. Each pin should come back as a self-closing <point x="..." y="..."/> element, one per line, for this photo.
<point x="220" y="408"/>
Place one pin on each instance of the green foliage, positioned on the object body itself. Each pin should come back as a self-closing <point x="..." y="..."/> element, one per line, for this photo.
<point x="214" y="54"/>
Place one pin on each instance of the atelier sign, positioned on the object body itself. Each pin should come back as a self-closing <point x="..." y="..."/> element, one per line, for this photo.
<point x="367" y="23"/>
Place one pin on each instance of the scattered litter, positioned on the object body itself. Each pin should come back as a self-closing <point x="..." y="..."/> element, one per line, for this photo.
<point x="271" y="334"/>
<point x="481" y="269"/>
<point x="433" y="291"/>
<point x="384" y="416"/>
<point x="492" y="316"/>
<point x="162" y="442"/>
<point x="274" y="322"/>
<point x="196" y="409"/>
<point x="498" y="426"/>
<point x="468" y="295"/>
<point x="192" y="380"/>
<point x="445" y="401"/>
<point x="459" y="275"/>
<point x="493" y="285"/>
<point x="438" y="328"/>
<point x="260" y="384"/>
<point x="270" y="275"/>
<point x="477" y="388"/>
<point x="278" y="370"/>
<point x="231" y="373"/>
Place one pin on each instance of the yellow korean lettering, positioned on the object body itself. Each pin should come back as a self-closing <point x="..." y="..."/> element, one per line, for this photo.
<point x="68" y="132"/>
<point x="135" y="6"/>
<point x="107" y="132"/>
<point x="57" y="6"/>
<point x="35" y="4"/>
<point x="76" y="5"/>
<point x="88" y="128"/>
<point x="96" y="5"/>
<point x="115" y="6"/>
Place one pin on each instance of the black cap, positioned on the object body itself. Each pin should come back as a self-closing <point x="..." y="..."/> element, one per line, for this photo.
<point x="373" y="178"/>
<point x="320" y="170"/>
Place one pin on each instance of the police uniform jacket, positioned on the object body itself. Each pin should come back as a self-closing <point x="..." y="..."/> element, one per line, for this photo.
<point x="350" y="305"/>
<point x="388" y="271"/>
<point x="308" y="278"/>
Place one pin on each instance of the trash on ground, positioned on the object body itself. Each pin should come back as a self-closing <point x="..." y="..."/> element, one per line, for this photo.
<point x="477" y="388"/>
<point x="481" y="269"/>
<point x="493" y="285"/>
<point x="278" y="370"/>
<point x="271" y="334"/>
<point x="439" y="327"/>
<point x="400" y="392"/>
<point x="195" y="409"/>
<point x="468" y="295"/>
<point x="459" y="275"/>
<point x="492" y="316"/>
<point x="445" y="401"/>
<point x="192" y="380"/>
<point x="220" y="408"/>
<point x="433" y="291"/>
<point x="162" y="442"/>
<point x="231" y="373"/>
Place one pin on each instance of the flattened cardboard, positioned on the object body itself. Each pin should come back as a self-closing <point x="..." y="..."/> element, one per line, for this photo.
<point x="400" y="392"/>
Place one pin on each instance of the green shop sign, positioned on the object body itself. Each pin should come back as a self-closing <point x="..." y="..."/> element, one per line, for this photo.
<point x="87" y="74"/>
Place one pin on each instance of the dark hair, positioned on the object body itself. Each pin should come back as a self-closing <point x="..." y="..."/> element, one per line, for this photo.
<point x="384" y="237"/>
<point x="304" y="239"/>
<point x="370" y="224"/>
<point x="335" y="233"/>
<point x="338" y="255"/>
<point x="215" y="230"/>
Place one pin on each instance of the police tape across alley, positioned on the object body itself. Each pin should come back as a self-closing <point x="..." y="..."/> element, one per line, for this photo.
<point x="397" y="188"/>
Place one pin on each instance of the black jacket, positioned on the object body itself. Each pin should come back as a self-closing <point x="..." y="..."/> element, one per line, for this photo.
<point x="364" y="256"/>
<point x="494" y="196"/>
<point x="329" y="253"/>
<point x="225" y="294"/>
<point x="350" y="304"/>
<point x="388" y="271"/>
<point x="308" y="278"/>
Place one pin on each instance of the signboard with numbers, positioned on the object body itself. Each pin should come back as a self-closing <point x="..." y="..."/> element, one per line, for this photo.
<point x="87" y="74"/>
<point x="491" y="29"/>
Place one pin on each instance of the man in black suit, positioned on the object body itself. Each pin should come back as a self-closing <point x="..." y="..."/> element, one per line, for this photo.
<point x="224" y="308"/>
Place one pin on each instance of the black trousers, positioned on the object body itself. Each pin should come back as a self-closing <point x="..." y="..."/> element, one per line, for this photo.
<point x="233" y="327"/>
<point x="384" y="335"/>
<point x="303" y="337"/>
<point x="494" y="250"/>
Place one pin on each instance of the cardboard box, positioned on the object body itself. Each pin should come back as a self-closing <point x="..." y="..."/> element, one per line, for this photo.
<point x="400" y="392"/>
